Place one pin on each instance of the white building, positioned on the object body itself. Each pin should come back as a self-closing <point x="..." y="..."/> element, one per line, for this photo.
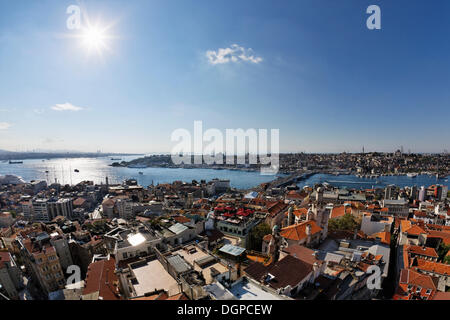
<point x="397" y="207"/>
<point x="371" y="224"/>
<point x="40" y="210"/>
<point x="124" y="208"/>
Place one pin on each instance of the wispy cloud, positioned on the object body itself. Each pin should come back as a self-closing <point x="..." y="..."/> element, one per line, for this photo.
<point x="5" y="125"/>
<point x="66" y="107"/>
<point x="234" y="53"/>
<point x="39" y="111"/>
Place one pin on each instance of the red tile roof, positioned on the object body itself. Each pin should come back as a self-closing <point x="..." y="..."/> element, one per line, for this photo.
<point x="415" y="230"/>
<point x="298" y="231"/>
<point x="431" y="266"/>
<point x="302" y="253"/>
<point x="426" y="251"/>
<point x="410" y="283"/>
<point x="340" y="211"/>
<point x="102" y="279"/>
<point x="385" y="237"/>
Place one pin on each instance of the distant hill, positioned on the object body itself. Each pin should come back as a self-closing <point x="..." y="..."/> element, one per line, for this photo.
<point x="10" y="155"/>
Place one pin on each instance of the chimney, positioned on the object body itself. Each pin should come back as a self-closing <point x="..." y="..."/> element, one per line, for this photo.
<point x="290" y="216"/>
<point x="308" y="230"/>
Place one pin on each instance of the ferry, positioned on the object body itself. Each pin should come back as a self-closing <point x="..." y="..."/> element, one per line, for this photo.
<point x="15" y="162"/>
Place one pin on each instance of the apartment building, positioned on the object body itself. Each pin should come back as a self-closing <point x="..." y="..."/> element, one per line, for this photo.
<point x="42" y="262"/>
<point x="11" y="280"/>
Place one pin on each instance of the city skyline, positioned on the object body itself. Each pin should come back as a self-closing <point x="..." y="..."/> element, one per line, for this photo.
<point x="329" y="86"/>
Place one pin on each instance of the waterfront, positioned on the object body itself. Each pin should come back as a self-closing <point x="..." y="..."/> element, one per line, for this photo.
<point x="352" y="181"/>
<point x="97" y="169"/>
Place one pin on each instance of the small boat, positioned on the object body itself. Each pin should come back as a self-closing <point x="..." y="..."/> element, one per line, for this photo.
<point x="412" y="175"/>
<point x="140" y="172"/>
<point x="15" y="162"/>
<point x="76" y="170"/>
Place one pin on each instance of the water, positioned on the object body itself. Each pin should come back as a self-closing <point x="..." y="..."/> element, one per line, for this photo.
<point x="97" y="169"/>
<point x="351" y="181"/>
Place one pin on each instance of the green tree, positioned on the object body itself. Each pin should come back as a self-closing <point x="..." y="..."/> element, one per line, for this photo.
<point x="345" y="223"/>
<point x="442" y="251"/>
<point x="257" y="235"/>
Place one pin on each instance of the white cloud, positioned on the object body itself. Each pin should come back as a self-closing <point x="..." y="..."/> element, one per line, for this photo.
<point x="5" y="125"/>
<point x="234" y="53"/>
<point x="66" y="107"/>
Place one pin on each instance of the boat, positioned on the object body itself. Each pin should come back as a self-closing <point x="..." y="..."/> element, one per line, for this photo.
<point x="140" y="172"/>
<point x="15" y="162"/>
<point x="115" y="159"/>
<point x="76" y="170"/>
<point x="412" y="175"/>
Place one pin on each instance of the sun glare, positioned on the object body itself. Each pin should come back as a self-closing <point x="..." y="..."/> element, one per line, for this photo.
<point x="94" y="38"/>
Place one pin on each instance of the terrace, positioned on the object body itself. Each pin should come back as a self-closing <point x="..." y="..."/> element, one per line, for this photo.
<point x="202" y="262"/>
<point x="150" y="276"/>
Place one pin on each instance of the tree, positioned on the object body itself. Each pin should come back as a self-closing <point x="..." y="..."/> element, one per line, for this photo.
<point x="345" y="223"/>
<point x="257" y="235"/>
<point x="442" y="252"/>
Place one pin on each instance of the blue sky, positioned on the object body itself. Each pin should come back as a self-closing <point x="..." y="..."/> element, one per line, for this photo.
<point x="315" y="72"/>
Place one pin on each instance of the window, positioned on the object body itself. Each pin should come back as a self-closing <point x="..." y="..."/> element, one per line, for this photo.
<point x="418" y="289"/>
<point x="428" y="291"/>
<point x="125" y="255"/>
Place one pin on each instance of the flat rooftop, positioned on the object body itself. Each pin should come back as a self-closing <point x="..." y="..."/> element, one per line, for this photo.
<point x="246" y="290"/>
<point x="232" y="250"/>
<point x="151" y="276"/>
<point x="197" y="256"/>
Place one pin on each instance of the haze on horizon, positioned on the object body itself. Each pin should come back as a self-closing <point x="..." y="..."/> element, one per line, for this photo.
<point x="311" y="69"/>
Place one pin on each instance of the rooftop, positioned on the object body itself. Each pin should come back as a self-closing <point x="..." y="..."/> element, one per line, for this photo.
<point x="151" y="276"/>
<point x="232" y="250"/>
<point x="248" y="290"/>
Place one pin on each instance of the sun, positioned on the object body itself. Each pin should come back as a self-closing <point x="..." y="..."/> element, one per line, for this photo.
<point x="95" y="39"/>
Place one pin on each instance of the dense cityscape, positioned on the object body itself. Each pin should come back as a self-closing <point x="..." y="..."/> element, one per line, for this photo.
<point x="205" y="240"/>
<point x="368" y="164"/>
<point x="224" y="159"/>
